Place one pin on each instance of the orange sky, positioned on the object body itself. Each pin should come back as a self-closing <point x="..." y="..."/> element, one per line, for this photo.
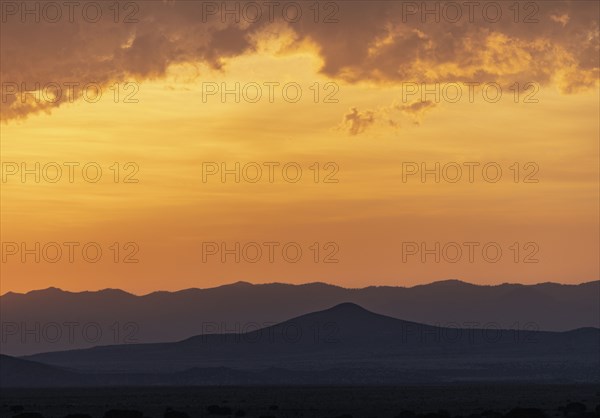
<point x="365" y="211"/>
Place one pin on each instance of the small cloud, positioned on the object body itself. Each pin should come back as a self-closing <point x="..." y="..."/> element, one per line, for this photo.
<point x="356" y="122"/>
<point x="416" y="110"/>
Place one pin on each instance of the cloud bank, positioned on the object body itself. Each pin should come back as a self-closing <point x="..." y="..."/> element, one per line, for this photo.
<point x="551" y="42"/>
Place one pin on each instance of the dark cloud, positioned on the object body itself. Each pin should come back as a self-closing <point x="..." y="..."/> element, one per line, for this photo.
<point x="372" y="40"/>
<point x="416" y="110"/>
<point x="356" y="122"/>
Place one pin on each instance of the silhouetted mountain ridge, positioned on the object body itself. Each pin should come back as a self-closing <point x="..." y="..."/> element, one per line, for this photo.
<point x="349" y="338"/>
<point x="174" y="316"/>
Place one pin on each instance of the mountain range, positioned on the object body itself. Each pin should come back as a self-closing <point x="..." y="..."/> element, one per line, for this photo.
<point x="340" y="345"/>
<point x="56" y="320"/>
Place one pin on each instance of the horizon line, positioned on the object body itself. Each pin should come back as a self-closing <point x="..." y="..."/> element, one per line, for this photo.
<point x="242" y="282"/>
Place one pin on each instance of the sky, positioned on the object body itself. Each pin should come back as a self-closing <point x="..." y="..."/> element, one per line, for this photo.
<point x="163" y="145"/>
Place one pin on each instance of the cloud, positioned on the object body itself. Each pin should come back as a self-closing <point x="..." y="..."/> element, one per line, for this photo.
<point x="386" y="45"/>
<point x="377" y="41"/>
<point x="79" y="52"/>
<point x="356" y="122"/>
<point x="417" y="109"/>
